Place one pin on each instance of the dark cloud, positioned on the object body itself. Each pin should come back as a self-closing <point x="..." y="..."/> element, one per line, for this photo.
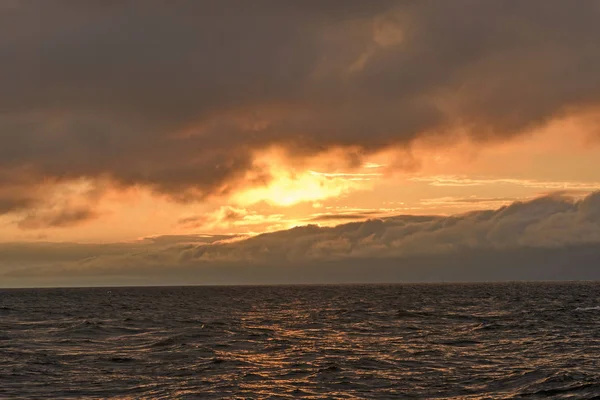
<point x="187" y="239"/>
<point x="547" y="222"/>
<point x="342" y="216"/>
<point x="37" y="253"/>
<point x="540" y="264"/>
<point x="475" y="200"/>
<point x="12" y="203"/>
<point x="194" y="221"/>
<point x="177" y="96"/>
<point x="16" y="195"/>
<point x="547" y="238"/>
<point x="224" y="215"/>
<point x="56" y="218"/>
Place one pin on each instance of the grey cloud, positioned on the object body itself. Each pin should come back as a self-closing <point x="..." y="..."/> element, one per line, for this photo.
<point x="185" y="239"/>
<point x="177" y="96"/>
<point x="475" y="200"/>
<point x="192" y="219"/>
<point x="47" y="258"/>
<point x="550" y="186"/>
<point x="56" y="218"/>
<point x="12" y="203"/>
<point x="551" y="221"/>
<point x="15" y="196"/>
<point x="544" y="238"/>
<point x="564" y="263"/>
<point x="342" y="216"/>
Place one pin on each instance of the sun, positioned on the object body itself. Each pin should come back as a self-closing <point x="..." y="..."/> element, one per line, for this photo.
<point x="292" y="184"/>
<point x="288" y="188"/>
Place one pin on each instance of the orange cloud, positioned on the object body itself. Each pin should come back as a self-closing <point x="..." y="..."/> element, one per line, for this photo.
<point x="294" y="181"/>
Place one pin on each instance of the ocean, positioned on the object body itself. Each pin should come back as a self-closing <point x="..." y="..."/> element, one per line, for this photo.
<point x="418" y="341"/>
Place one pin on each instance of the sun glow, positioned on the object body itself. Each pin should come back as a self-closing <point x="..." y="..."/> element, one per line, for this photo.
<point x="288" y="188"/>
<point x="291" y="183"/>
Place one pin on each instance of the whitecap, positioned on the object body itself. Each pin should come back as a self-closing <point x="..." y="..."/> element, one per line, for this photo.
<point x="597" y="308"/>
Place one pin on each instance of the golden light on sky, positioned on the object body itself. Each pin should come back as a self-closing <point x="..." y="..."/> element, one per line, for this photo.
<point x="452" y="178"/>
<point x="288" y="184"/>
<point x="305" y="116"/>
<point x="266" y="145"/>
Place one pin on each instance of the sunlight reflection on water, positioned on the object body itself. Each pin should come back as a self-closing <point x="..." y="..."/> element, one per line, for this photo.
<point x="424" y="341"/>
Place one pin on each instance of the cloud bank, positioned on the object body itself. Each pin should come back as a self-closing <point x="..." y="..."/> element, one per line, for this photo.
<point x="552" y="237"/>
<point x="546" y="222"/>
<point x="179" y="97"/>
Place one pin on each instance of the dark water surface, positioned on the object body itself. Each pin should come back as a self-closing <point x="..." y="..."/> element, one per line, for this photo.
<point x="447" y="341"/>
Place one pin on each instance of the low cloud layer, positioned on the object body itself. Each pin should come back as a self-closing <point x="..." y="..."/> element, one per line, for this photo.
<point x="547" y="222"/>
<point x="179" y="97"/>
<point x="552" y="237"/>
<point x="56" y="219"/>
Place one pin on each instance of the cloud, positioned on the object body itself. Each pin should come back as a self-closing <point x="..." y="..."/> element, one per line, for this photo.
<point x="10" y="203"/>
<point x="16" y="195"/>
<point x="553" y="186"/>
<point x="180" y="97"/>
<point x="50" y="204"/>
<point x="518" y="241"/>
<point x="348" y="213"/>
<point x="57" y="218"/>
<point x="472" y="202"/>
<point x="547" y="222"/>
<point x="51" y="257"/>
<point x="228" y="217"/>
<point x="468" y="200"/>
<point x="340" y="216"/>
<point x="186" y="239"/>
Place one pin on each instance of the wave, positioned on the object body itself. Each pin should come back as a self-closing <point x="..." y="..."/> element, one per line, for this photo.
<point x="436" y="341"/>
<point x="597" y="308"/>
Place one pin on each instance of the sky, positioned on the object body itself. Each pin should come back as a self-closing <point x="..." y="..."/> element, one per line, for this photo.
<point x="232" y="142"/>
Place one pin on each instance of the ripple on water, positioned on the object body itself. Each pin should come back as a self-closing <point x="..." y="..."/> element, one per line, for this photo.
<point x="474" y="341"/>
